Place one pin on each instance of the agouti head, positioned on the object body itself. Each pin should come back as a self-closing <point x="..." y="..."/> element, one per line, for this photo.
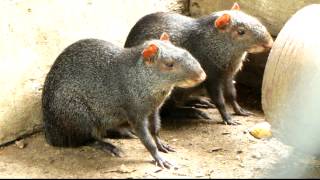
<point x="173" y="65"/>
<point x="243" y="30"/>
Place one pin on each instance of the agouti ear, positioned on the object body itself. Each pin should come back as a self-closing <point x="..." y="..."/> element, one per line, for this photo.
<point x="222" y="21"/>
<point x="235" y="6"/>
<point x="149" y="52"/>
<point x="164" y="37"/>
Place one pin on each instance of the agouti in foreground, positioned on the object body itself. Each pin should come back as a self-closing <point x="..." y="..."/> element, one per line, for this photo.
<point x="94" y="86"/>
<point x="219" y="41"/>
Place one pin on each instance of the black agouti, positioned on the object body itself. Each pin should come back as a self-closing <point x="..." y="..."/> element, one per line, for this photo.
<point x="219" y="41"/>
<point x="94" y="86"/>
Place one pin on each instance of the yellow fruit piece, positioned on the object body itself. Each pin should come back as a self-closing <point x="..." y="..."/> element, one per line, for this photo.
<point x="261" y="130"/>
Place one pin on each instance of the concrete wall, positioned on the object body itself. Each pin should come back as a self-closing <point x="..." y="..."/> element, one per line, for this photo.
<point x="34" y="32"/>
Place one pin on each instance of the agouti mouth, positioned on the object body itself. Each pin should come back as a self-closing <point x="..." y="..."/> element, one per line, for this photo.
<point x="202" y="76"/>
<point x="188" y="84"/>
<point x="193" y="82"/>
<point x="261" y="48"/>
<point x="256" y="49"/>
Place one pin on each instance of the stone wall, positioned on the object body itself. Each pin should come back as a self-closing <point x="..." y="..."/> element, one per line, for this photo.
<point x="34" y="32"/>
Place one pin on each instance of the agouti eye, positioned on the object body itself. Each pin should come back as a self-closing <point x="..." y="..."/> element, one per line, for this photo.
<point x="241" y="32"/>
<point x="170" y="65"/>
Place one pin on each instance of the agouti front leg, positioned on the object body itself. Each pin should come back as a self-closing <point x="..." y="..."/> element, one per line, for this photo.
<point x="140" y="125"/>
<point x="154" y="125"/>
<point x="231" y="96"/>
<point x="215" y="91"/>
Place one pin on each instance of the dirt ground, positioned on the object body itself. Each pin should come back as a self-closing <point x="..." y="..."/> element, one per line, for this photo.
<point x="203" y="150"/>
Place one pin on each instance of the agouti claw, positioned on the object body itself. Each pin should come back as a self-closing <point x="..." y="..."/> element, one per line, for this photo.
<point x="163" y="163"/>
<point x="169" y="148"/>
<point x="165" y="148"/>
<point x="162" y="149"/>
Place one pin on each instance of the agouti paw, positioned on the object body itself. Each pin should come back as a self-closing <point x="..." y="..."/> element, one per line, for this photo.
<point x="163" y="163"/>
<point x="165" y="148"/>
<point x="109" y="148"/>
<point x="243" y="112"/>
<point x="200" y="102"/>
<point x="117" y="152"/>
<point x="231" y="122"/>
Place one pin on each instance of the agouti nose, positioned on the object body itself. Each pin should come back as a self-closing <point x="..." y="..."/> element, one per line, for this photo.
<point x="201" y="76"/>
<point x="268" y="45"/>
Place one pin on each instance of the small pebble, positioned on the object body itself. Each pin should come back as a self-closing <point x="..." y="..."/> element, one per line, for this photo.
<point x="20" y="144"/>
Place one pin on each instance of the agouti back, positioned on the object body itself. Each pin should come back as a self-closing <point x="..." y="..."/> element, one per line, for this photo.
<point x="94" y="86"/>
<point x="219" y="41"/>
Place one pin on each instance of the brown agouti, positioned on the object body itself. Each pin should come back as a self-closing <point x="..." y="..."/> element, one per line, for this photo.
<point x="94" y="86"/>
<point x="219" y="41"/>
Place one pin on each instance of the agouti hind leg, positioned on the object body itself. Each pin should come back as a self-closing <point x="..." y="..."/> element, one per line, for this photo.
<point x="184" y="113"/>
<point x="199" y="102"/>
<point x="104" y="145"/>
<point x="108" y="148"/>
<point x="121" y="133"/>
